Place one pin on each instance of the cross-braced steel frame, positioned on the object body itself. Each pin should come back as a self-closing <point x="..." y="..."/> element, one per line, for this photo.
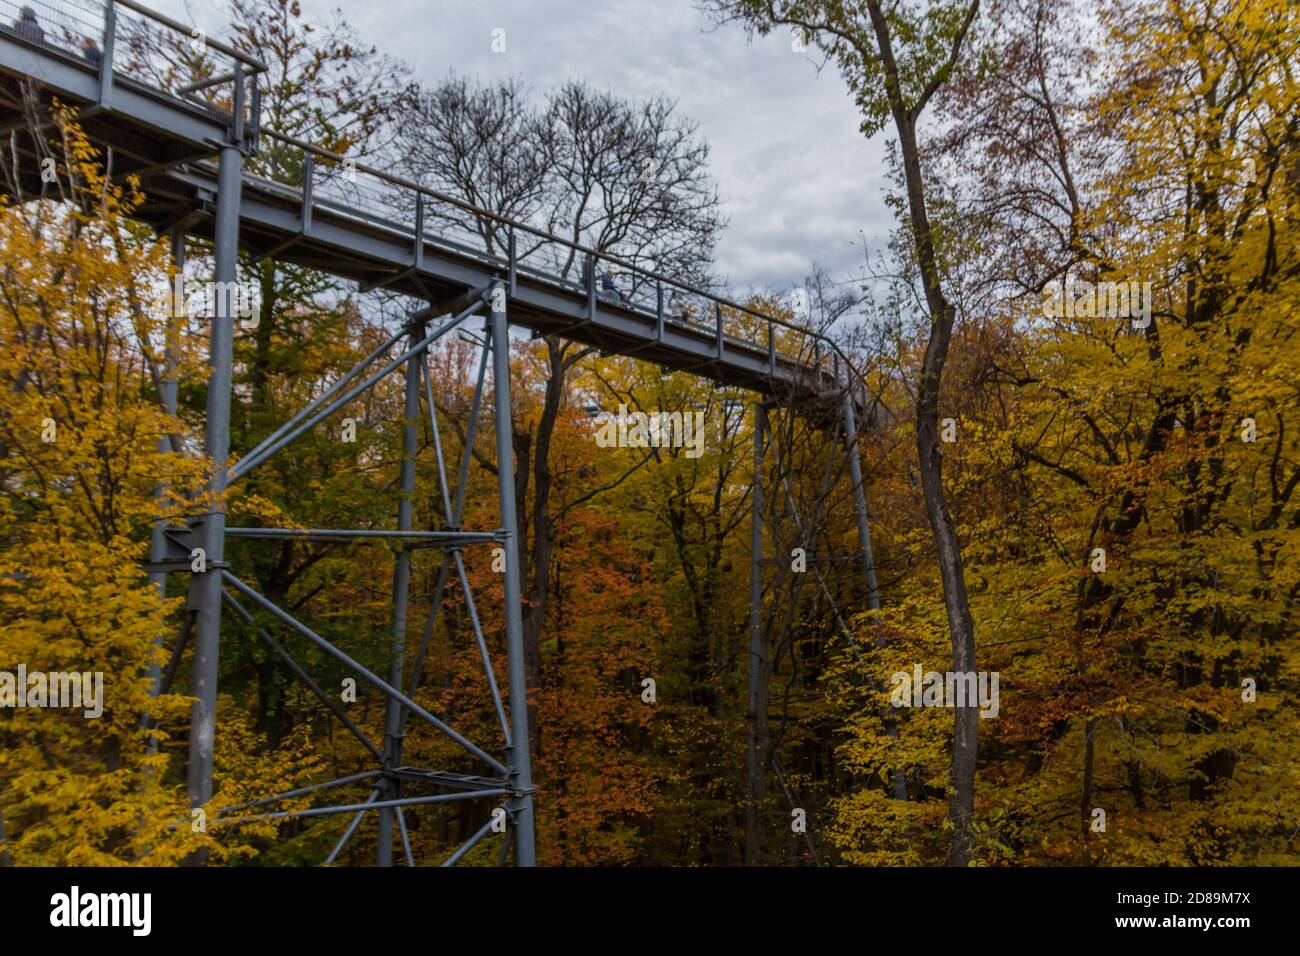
<point x="127" y="115"/>
<point x="785" y="598"/>
<point x="392" y="784"/>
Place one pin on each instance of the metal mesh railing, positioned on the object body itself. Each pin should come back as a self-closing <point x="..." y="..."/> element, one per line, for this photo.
<point x="170" y="57"/>
<point x="351" y="190"/>
<point x="139" y="45"/>
<point x="64" y="25"/>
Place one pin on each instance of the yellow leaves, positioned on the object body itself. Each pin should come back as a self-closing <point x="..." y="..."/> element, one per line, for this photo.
<point x="878" y="831"/>
<point x="80" y="323"/>
<point x="1136" y="442"/>
<point x="246" y="770"/>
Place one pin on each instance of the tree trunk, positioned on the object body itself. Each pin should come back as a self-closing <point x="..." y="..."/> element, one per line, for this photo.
<point x="965" y="742"/>
<point x="543" y="530"/>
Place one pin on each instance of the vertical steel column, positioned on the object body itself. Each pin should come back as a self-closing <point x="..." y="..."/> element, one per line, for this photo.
<point x="205" y="586"/>
<point x="167" y="398"/>
<point x="860" y="501"/>
<point x="401" y="591"/>
<point x="519" y="758"/>
<point x="757" y="652"/>
<point x="898" y="780"/>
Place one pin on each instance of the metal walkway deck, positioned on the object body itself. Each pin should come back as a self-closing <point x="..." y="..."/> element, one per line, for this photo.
<point x="310" y="207"/>
<point x="207" y="169"/>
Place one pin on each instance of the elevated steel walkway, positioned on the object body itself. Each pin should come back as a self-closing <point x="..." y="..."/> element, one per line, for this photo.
<point x="181" y="111"/>
<point x="163" y="122"/>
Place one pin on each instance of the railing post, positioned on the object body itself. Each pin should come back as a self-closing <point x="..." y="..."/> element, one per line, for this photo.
<point x="308" y="174"/>
<point x="237" y="125"/>
<point x="659" y="311"/>
<point x="511" y="274"/>
<point x="106" y="56"/>
<point x="591" y="288"/>
<point x="717" y="315"/>
<point x="419" y="231"/>
<point x="256" y="114"/>
<point x="771" y="347"/>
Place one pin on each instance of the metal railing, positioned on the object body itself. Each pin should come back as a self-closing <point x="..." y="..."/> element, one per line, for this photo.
<point x="321" y="180"/>
<point x="125" y="41"/>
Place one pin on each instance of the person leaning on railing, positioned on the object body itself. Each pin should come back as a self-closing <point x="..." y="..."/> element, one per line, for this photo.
<point x="611" y="291"/>
<point x="28" y="27"/>
<point x="90" y="50"/>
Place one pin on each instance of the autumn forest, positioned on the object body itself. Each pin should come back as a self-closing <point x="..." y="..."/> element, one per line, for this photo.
<point x="1075" y="389"/>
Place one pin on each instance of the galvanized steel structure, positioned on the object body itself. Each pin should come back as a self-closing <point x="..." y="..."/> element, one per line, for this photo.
<point x="194" y="143"/>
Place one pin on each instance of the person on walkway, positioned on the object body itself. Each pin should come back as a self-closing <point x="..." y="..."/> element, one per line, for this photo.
<point x="27" y="27"/>
<point x="90" y="50"/>
<point x="607" y="288"/>
<point x="677" y="311"/>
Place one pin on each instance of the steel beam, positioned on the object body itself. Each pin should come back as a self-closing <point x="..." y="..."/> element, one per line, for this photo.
<point x="436" y="435"/>
<point x="361" y="807"/>
<point x="269" y="448"/>
<point x="205" y="586"/>
<point x="302" y="791"/>
<point x="378" y="682"/>
<point x="406" y="837"/>
<point x="469" y="844"/>
<point x="519" y="807"/>
<point x="352" y="828"/>
<point x="477" y="627"/>
<point x="324" y="396"/>
<point x="401" y="589"/>
<point x="301" y="673"/>
<point x="410" y="539"/>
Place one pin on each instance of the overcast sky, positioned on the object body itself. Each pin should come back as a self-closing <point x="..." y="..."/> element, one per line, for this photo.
<point x="798" y="181"/>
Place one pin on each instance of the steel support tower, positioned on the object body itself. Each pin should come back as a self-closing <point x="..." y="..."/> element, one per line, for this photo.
<point x="192" y="140"/>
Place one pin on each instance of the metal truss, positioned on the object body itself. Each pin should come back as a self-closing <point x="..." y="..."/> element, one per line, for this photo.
<point x="393" y="785"/>
<point x="157" y="126"/>
<point x="798" y="508"/>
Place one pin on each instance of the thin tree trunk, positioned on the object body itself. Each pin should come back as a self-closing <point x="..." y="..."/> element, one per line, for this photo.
<point x="965" y="741"/>
<point x="1085" y="801"/>
<point x="961" y="627"/>
<point x="5" y="858"/>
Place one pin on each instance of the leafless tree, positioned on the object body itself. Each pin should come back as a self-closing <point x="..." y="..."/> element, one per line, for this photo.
<point x="624" y="179"/>
<point x="483" y="144"/>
